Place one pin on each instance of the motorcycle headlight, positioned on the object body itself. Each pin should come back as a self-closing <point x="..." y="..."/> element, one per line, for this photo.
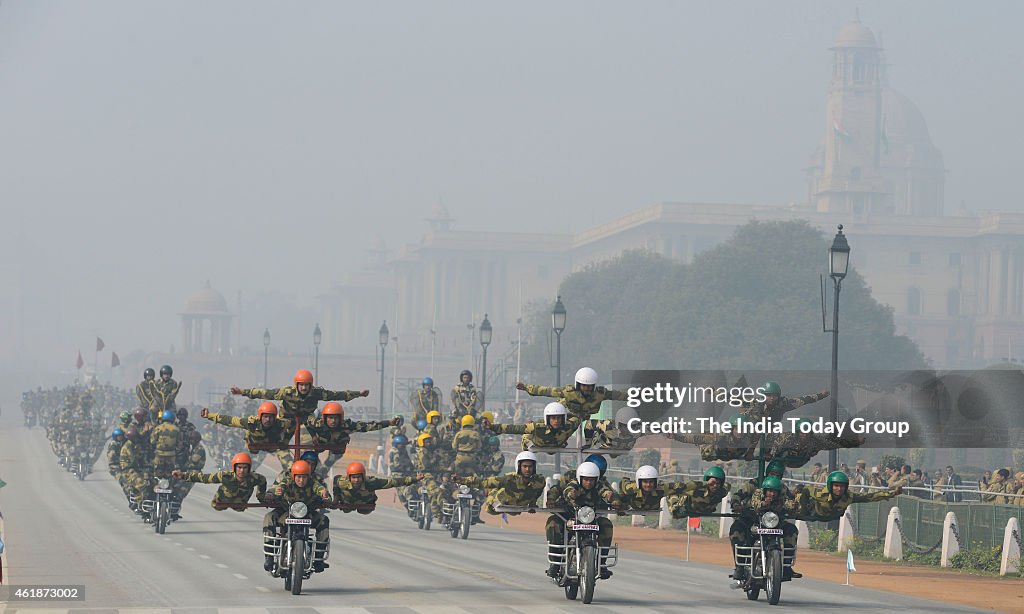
<point x="163" y="484"/>
<point x="770" y="520"/>
<point x="464" y="489"/>
<point x="298" y="510"/>
<point x="586" y="515"/>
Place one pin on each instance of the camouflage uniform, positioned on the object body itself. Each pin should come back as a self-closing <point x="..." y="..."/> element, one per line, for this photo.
<point x="295" y="405"/>
<point x="346" y="494"/>
<point x="756" y="411"/>
<point x="165" y="441"/>
<point x="797" y="449"/>
<point x="314" y="495"/>
<point x="720" y="447"/>
<point x="464" y="400"/>
<point x="997" y="487"/>
<point x="466" y="444"/>
<point x="195" y="461"/>
<point x="233" y="493"/>
<point x="509" y="489"/>
<point x="146" y="391"/>
<point x="399" y="462"/>
<point x="336" y="440"/>
<point x="784" y="505"/>
<point x="164" y="394"/>
<point x="422" y="402"/>
<point x="609" y="435"/>
<point x="820" y="504"/>
<point x="114" y="457"/>
<point x="685" y="499"/>
<point x="135" y="470"/>
<point x="576" y="496"/>
<point x="540" y="435"/>
<point x="577" y="405"/>
<point x="633" y="496"/>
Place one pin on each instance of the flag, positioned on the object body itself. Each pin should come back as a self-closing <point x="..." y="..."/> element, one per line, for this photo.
<point x="693" y="523"/>
<point x="849" y="561"/>
<point x="99" y="344"/>
<point x="504" y="517"/>
<point x="114" y="360"/>
<point x="839" y="131"/>
<point x="79" y="363"/>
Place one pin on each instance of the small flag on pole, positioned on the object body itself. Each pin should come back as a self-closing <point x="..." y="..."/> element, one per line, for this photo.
<point x="99" y="344"/>
<point x="693" y="523"/>
<point x="79" y="363"/>
<point x="504" y="517"/>
<point x="114" y="360"/>
<point x="849" y="561"/>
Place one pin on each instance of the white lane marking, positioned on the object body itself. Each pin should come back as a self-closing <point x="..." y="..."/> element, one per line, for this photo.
<point x="203" y="556"/>
<point x="190" y="549"/>
<point x="239" y="576"/>
<point x="177" y="543"/>
<point x="221" y="565"/>
<point x="263" y="589"/>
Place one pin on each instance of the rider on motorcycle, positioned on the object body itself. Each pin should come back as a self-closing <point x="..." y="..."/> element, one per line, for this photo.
<point x="585" y="490"/>
<point x="333" y="430"/>
<point x="771" y="497"/>
<point x="700" y="498"/>
<point x="300" y="487"/>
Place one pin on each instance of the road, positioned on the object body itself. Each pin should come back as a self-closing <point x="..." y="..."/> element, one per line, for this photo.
<point x="59" y="530"/>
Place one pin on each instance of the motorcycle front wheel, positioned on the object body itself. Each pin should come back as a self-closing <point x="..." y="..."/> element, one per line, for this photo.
<point x="773" y="581"/>
<point x="588" y="556"/>
<point x="298" y="565"/>
<point x="467" y="520"/>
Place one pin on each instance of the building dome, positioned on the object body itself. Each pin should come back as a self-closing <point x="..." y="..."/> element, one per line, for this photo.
<point x="856" y="34"/>
<point x="905" y="136"/>
<point x="206" y="300"/>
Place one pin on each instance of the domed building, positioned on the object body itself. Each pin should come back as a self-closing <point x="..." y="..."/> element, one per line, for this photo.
<point x="206" y="323"/>
<point x="877" y="157"/>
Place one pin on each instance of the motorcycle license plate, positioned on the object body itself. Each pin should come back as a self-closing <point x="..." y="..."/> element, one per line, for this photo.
<point x="465" y="496"/>
<point x="163" y="491"/>
<point x="586" y="527"/>
<point x="298" y="521"/>
<point x="770" y="531"/>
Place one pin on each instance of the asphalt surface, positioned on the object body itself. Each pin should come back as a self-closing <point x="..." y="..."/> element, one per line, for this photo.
<point x="59" y="530"/>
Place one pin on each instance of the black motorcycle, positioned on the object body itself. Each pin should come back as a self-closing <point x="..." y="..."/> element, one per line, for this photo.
<point x="579" y="559"/>
<point x="295" y="549"/>
<point x="765" y="560"/>
<point x="458" y="515"/>
<point x="163" y="506"/>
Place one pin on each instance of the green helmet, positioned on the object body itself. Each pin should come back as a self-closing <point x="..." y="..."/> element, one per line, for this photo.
<point x="737" y="419"/>
<point x="125" y="417"/>
<point x="776" y="466"/>
<point x="493" y="440"/>
<point x="772" y="388"/>
<point x="837" y="477"/>
<point x="771" y="483"/>
<point x="714" y="472"/>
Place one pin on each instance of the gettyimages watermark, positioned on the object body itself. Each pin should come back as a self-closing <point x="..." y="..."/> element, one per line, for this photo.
<point x="970" y="409"/>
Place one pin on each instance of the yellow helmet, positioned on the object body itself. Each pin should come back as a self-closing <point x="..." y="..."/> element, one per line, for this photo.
<point x="468" y="421"/>
<point x="431" y="415"/>
<point x="488" y="416"/>
<point x="422" y="438"/>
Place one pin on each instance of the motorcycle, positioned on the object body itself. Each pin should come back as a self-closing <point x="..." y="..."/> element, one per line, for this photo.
<point x="765" y="561"/>
<point x="458" y="515"/>
<point x="162" y="506"/>
<point x="295" y="549"/>
<point x="579" y="558"/>
<point x="419" y="509"/>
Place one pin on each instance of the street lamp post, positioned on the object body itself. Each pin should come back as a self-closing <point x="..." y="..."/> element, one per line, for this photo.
<point x="382" y="336"/>
<point x="317" y="337"/>
<point x="838" y="264"/>
<point x="266" y="355"/>
<point x="558" y="325"/>
<point x="485" y="340"/>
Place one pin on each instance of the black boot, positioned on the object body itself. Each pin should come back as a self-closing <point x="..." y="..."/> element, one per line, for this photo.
<point x="788" y="573"/>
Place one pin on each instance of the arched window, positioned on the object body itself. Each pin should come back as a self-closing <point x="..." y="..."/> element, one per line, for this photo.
<point x="913" y="302"/>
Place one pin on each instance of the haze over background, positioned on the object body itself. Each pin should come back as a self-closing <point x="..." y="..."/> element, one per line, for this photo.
<point x="148" y="147"/>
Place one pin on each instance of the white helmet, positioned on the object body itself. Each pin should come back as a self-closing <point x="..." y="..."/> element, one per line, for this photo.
<point x="525" y="456"/>
<point x="646" y="472"/>
<point x="586" y="376"/>
<point x="587" y="470"/>
<point x="554" y="409"/>
<point x="625" y="414"/>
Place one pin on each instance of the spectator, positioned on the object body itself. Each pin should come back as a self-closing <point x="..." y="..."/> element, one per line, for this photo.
<point x="917" y="481"/>
<point x="949" y="482"/>
<point x="986" y="478"/>
<point x="860" y="477"/>
<point x="876" y="479"/>
<point x="999" y="485"/>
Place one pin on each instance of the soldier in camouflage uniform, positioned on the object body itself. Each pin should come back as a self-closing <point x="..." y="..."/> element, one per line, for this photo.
<point x="193" y="460"/>
<point x="519" y="489"/>
<point x="301" y="400"/>
<point x="554" y="432"/>
<point x="467" y="444"/>
<point x="357" y="489"/>
<point x="236" y="486"/>
<point x="332" y="431"/>
<point x="612" y="434"/>
<point x="464" y="397"/>
<point x="117" y="440"/>
<point x="830" y="503"/>
<point x="743" y="495"/>
<point x="165" y="441"/>
<point x="165" y="391"/>
<point x="424" y="399"/>
<point x="400" y="464"/>
<point x="798" y="448"/>
<point x="699" y="498"/>
<point x="775" y="406"/>
<point x="585" y="490"/>
<point x="301" y="487"/>
<point x="491" y="458"/>
<point x="582" y="399"/>
<point x="146" y="389"/>
<point x="999" y="485"/>
<point x="722" y="447"/>
<point x="135" y="469"/>
<point x="768" y="498"/>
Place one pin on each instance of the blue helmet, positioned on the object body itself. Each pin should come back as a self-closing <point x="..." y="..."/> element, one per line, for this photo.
<point x="420" y="424"/>
<point x="310" y="457"/>
<point x="400" y="440"/>
<point x="117" y="433"/>
<point x="428" y="381"/>
<point x="167" y="416"/>
<point x="598" y="460"/>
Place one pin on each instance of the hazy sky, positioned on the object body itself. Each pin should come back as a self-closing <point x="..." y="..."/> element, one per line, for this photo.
<point x="147" y="147"/>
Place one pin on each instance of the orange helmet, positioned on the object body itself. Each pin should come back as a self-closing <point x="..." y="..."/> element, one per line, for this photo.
<point x="241" y="459"/>
<point x="301" y="467"/>
<point x="303" y="376"/>
<point x="266" y="407"/>
<point x="354" y="468"/>
<point x="333" y="409"/>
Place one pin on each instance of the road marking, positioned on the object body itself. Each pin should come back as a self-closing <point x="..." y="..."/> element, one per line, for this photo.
<point x="239" y="576"/>
<point x="177" y="543"/>
<point x="190" y="549"/>
<point x="263" y="589"/>
<point x="203" y="556"/>
<point x="221" y="565"/>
